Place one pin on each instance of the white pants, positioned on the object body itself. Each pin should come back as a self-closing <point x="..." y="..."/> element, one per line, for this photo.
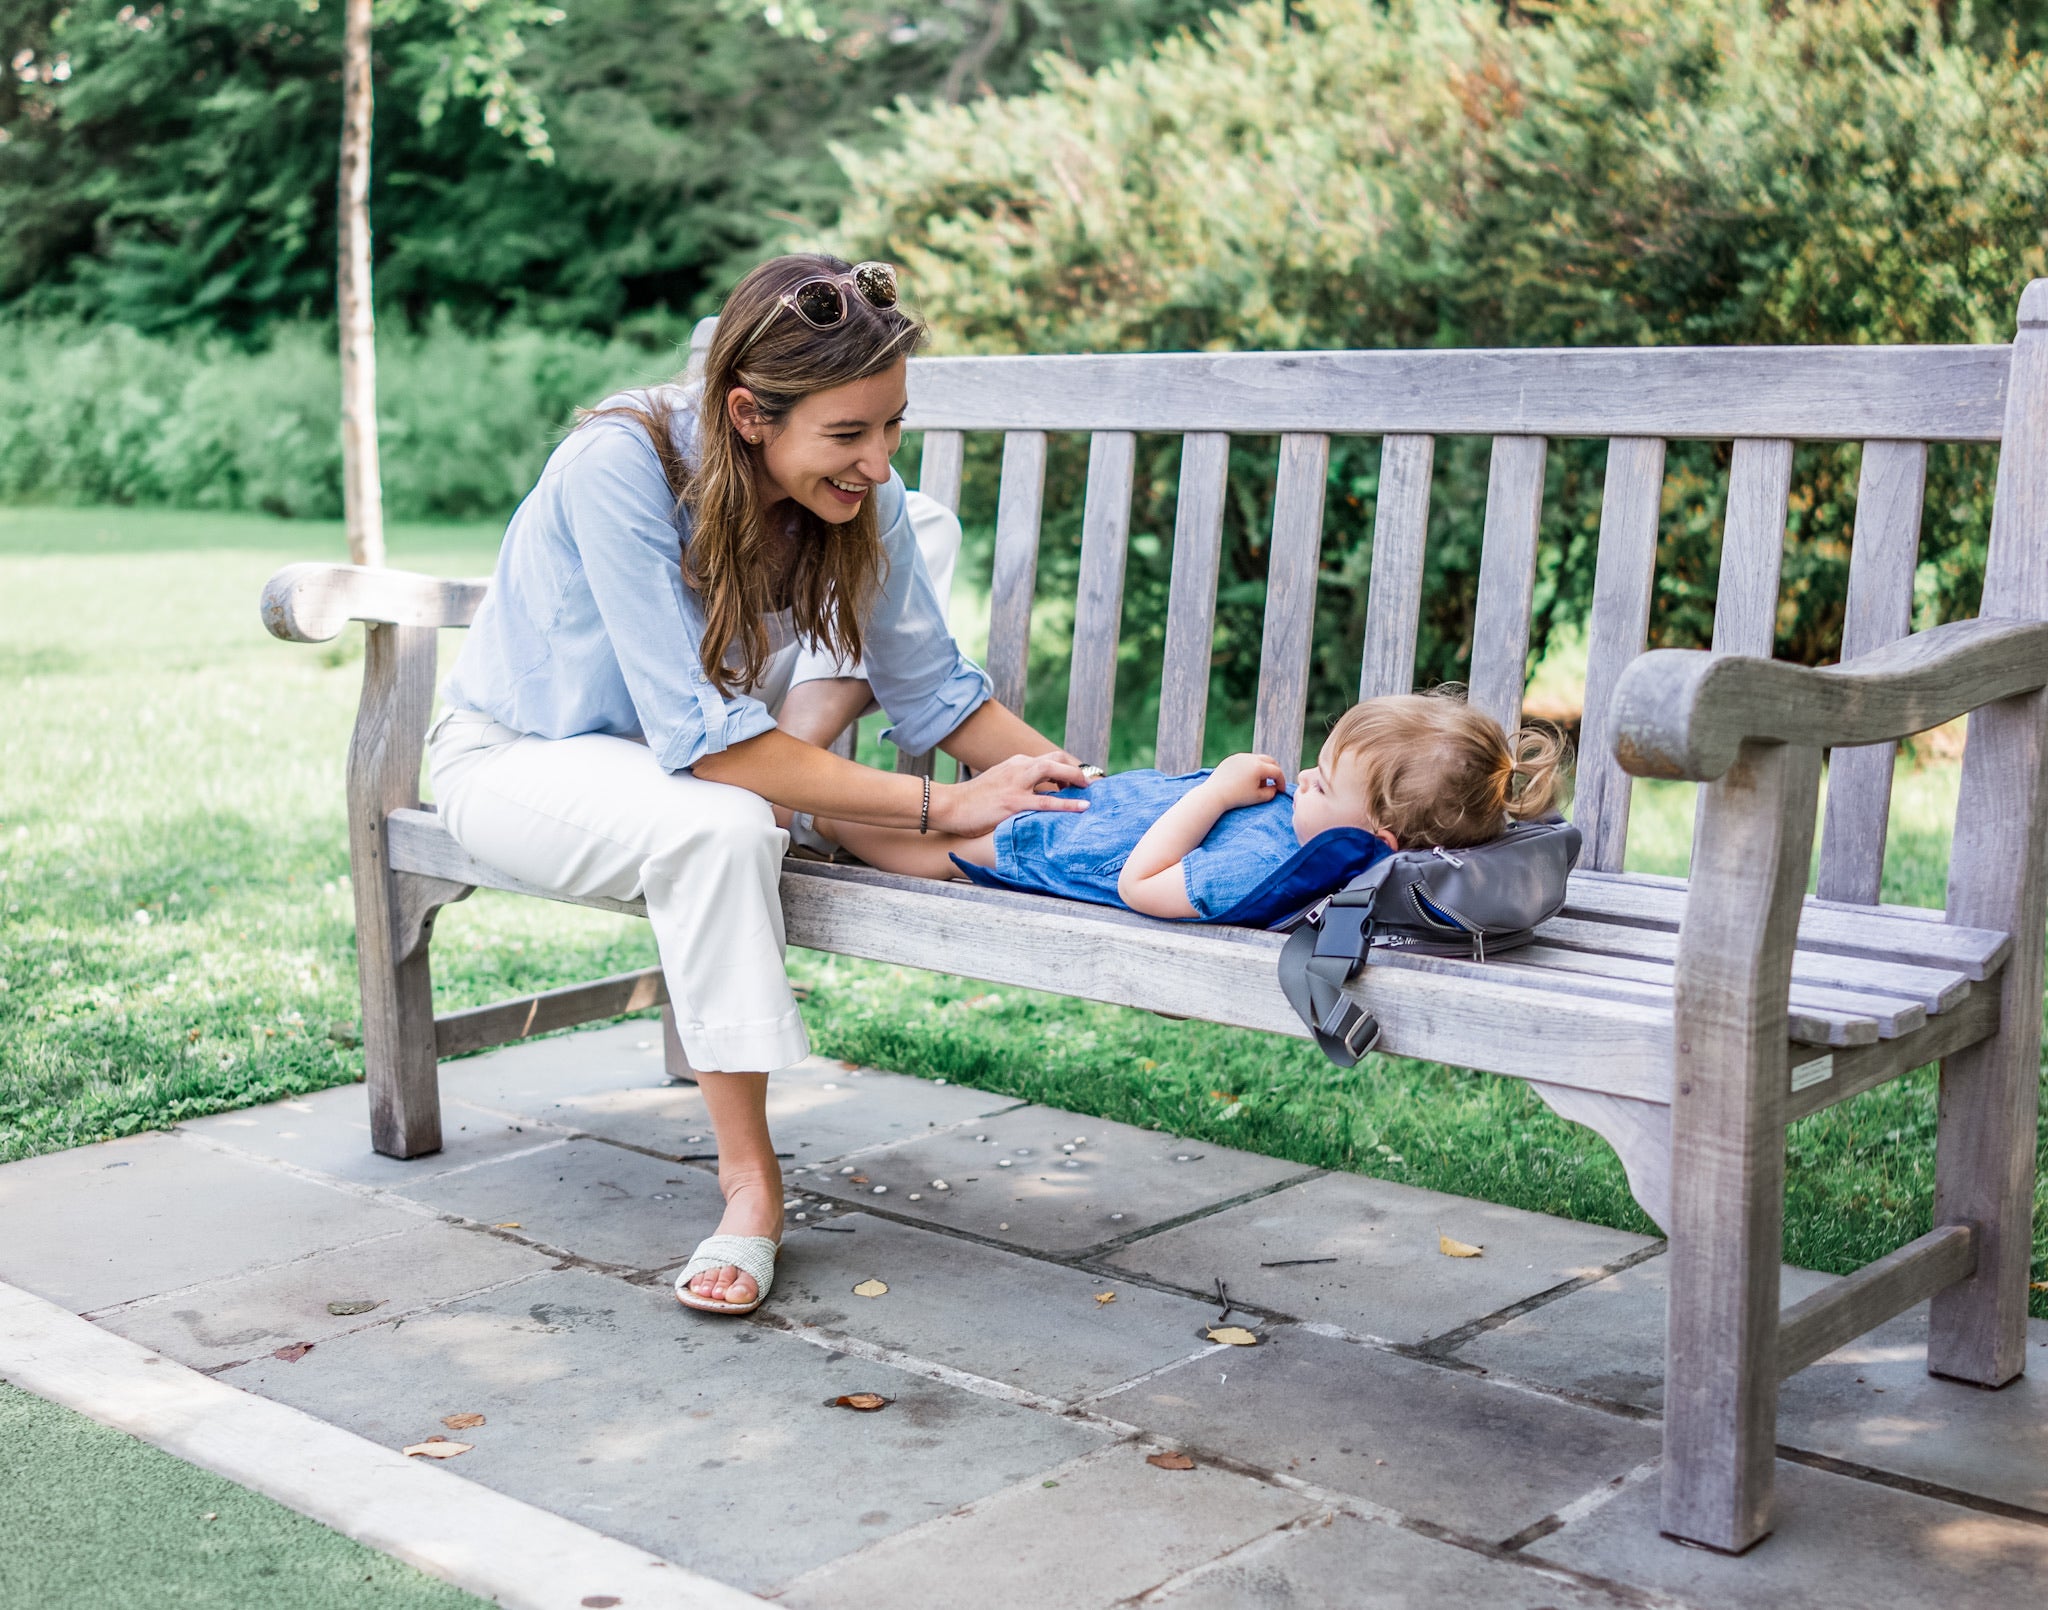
<point x="597" y="815"/>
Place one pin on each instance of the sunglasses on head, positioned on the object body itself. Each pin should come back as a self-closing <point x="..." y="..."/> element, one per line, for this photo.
<point x="821" y="301"/>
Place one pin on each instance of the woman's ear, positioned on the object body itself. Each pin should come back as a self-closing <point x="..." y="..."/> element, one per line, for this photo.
<point x="745" y="414"/>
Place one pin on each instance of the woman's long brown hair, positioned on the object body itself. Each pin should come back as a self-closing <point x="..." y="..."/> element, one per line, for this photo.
<point x="732" y="556"/>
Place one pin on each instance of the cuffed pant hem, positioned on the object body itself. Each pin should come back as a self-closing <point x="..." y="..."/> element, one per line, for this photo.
<point x="762" y="1047"/>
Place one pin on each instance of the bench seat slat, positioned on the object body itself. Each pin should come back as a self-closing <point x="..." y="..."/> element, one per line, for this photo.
<point x="1935" y="989"/>
<point x="1908" y="934"/>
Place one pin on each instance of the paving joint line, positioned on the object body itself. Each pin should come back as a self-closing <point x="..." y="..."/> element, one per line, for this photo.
<point x="1587" y="1503"/>
<point x="129" y="1304"/>
<point x="1144" y="1232"/>
<point x="1450" y="1341"/>
<point x="1913" y="1485"/>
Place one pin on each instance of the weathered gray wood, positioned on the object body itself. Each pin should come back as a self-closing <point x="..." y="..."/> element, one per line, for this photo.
<point x="1729" y="1078"/>
<point x="1934" y="989"/>
<point x="701" y="334"/>
<point x="1639" y="1132"/>
<point x="1191" y="604"/>
<point x="503" y="1022"/>
<point x="415" y="902"/>
<point x="1889" y="495"/>
<point x="1507" y="578"/>
<point x="1681" y="712"/>
<point x="1400" y="532"/>
<point x="941" y="467"/>
<point x="1865" y="1067"/>
<point x="1099" y="595"/>
<point x="675" y="1061"/>
<point x="1291" y="598"/>
<point x="1752" y="548"/>
<point x="1835" y="393"/>
<point x="310" y="603"/>
<point x="1629" y="506"/>
<point x="1885" y="933"/>
<point x="915" y="765"/>
<point x="419" y="843"/>
<point x="398" y="994"/>
<point x="1985" y="1164"/>
<point x="1020" y="506"/>
<point x="1875" y="1293"/>
<point x="1822" y="1014"/>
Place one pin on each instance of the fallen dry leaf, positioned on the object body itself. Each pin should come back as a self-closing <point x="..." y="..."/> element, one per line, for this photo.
<point x="871" y="1288"/>
<point x="2037" y="1285"/>
<point x="509" y="1224"/>
<point x="1105" y="1296"/>
<point x="1457" y="1249"/>
<point x="599" y="1601"/>
<point x="1169" y="1461"/>
<point x="857" y="1179"/>
<point x="863" y="1402"/>
<point x="292" y="1354"/>
<point x="1234" y="1335"/>
<point x="361" y="1305"/>
<point x="461" y="1422"/>
<point x="436" y="1448"/>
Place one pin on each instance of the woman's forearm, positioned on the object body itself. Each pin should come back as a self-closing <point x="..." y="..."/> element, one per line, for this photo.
<point x="994" y="732"/>
<point x="802" y="777"/>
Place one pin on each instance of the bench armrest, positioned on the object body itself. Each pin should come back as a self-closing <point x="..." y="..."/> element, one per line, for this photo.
<point x="1683" y="713"/>
<point x="309" y="603"/>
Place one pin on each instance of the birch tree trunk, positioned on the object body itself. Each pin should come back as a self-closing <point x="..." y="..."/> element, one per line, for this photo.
<point x="362" y="489"/>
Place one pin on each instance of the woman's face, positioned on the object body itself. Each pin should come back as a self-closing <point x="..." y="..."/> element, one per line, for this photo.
<point x="833" y="449"/>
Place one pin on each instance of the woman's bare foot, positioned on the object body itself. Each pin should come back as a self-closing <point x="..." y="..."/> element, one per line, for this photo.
<point x="753" y="1206"/>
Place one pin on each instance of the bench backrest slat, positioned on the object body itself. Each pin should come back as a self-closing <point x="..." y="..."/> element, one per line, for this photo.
<point x="940" y="468"/>
<point x="1890" y="492"/>
<point x="1507" y="577"/>
<point x="1631" y="499"/>
<point x="1752" y="548"/>
<point x="1291" y="598"/>
<point x="1191" y="604"/>
<point x="1020" y="504"/>
<point x="1393" y="604"/>
<point x="1099" y="595"/>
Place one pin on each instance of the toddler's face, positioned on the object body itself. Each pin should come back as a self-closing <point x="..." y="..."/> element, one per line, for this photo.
<point x="1328" y="795"/>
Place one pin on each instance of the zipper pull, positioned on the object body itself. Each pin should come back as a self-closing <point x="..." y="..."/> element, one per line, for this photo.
<point x="1439" y="851"/>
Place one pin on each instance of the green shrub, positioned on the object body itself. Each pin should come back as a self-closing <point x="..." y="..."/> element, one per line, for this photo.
<point x="1340" y="173"/>
<point x="101" y="414"/>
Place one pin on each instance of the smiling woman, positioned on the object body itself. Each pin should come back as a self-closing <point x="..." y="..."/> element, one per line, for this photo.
<point x="613" y="729"/>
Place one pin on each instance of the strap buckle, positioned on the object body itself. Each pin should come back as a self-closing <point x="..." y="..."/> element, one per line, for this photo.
<point x="1351" y="1026"/>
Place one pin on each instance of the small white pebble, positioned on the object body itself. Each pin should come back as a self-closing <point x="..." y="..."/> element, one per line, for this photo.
<point x="1002" y="1227"/>
<point x="829" y="1085"/>
<point x="1073" y="1162"/>
<point x="1080" y="1140"/>
<point x="643" y="1045"/>
<point x="1023" y="1151"/>
<point x="1068" y="1149"/>
<point x="1116" y="1215"/>
<point x="1182" y="1158"/>
<point x="981" y="1137"/>
<point x="801" y="1217"/>
<point x="1002" y="1162"/>
<point x="790" y="1204"/>
<point x="849" y="1169"/>
<point x="940" y="1185"/>
<point x="917" y="1196"/>
<point x="939" y="1081"/>
<point x="881" y="1190"/>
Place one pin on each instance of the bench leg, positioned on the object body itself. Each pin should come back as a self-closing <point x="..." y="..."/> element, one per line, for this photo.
<point x="1728" y="1147"/>
<point x="399" y="1061"/>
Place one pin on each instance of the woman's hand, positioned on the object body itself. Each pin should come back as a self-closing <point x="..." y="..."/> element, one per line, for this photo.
<point x="992" y="797"/>
<point x="1245" y="780"/>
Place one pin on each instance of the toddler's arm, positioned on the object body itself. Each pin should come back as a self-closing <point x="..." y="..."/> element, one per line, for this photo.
<point x="1151" y="880"/>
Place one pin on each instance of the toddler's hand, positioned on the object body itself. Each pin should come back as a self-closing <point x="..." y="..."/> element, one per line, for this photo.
<point x="1246" y="780"/>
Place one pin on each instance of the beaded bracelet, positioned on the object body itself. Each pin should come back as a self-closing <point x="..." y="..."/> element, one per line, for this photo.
<point x="924" y="815"/>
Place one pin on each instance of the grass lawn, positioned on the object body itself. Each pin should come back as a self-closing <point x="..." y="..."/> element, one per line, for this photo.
<point x="175" y="931"/>
<point x="95" y="1517"/>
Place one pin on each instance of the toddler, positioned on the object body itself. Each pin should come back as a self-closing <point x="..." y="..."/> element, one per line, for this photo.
<point x="1233" y="844"/>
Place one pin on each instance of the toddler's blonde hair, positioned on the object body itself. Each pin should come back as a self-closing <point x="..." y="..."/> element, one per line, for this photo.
<point x="1437" y="772"/>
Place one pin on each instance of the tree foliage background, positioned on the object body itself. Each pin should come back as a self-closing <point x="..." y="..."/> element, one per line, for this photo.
<point x="1054" y="175"/>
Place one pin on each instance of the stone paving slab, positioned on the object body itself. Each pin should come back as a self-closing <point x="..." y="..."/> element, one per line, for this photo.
<point x="1390" y="1281"/>
<point x="1435" y="1445"/>
<point x="329" y="1132"/>
<point x="1011" y="1181"/>
<point x="1017" y="1320"/>
<point x="598" y="1201"/>
<point x="1084" y="1536"/>
<point x="1839" y="1544"/>
<point x="1345" y="1563"/>
<point x="611" y="1082"/>
<point x="132" y="1218"/>
<point x="239" y="1318"/>
<point x="1870" y="1403"/>
<point x="708" y="1442"/>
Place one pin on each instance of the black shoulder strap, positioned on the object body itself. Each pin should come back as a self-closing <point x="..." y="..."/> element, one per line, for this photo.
<point x="1316" y="962"/>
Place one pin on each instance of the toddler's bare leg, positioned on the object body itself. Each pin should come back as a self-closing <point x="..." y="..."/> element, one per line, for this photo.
<point x="902" y="849"/>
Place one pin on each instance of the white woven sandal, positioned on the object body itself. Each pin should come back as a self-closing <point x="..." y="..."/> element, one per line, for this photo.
<point x="753" y="1255"/>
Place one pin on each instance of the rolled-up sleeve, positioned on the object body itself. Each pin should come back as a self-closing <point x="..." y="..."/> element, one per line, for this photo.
<point x="622" y="521"/>
<point x="919" y="675"/>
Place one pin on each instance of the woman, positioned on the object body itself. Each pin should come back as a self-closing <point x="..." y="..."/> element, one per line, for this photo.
<point x="612" y="726"/>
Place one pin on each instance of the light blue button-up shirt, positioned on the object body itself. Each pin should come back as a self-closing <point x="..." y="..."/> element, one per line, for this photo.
<point x="589" y="626"/>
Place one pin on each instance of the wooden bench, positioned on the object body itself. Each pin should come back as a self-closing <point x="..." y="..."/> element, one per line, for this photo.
<point x="1688" y="1025"/>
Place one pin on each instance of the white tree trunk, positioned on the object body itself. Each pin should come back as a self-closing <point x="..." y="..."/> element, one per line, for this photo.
<point x="362" y="489"/>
